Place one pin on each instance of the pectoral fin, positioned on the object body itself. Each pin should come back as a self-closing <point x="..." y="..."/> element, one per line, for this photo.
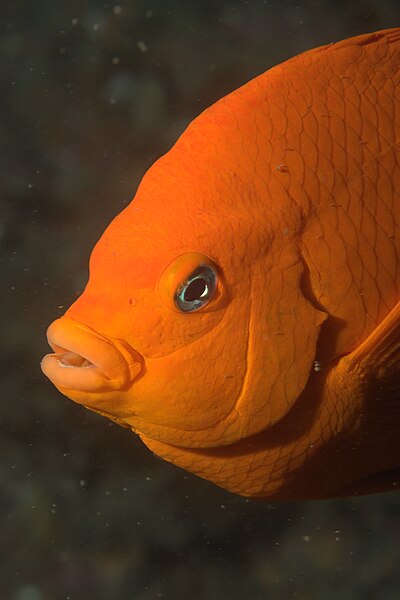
<point x="376" y="362"/>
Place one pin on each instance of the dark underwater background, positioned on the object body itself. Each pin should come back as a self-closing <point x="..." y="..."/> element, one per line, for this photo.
<point x="92" y="93"/>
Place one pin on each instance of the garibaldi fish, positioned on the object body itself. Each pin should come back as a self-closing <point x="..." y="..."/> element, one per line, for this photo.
<point x="242" y="314"/>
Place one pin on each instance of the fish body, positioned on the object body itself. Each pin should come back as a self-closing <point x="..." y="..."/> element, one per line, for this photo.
<point x="241" y="314"/>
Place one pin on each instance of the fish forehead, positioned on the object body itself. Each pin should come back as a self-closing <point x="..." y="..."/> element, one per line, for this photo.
<point x="140" y="246"/>
<point x="173" y="213"/>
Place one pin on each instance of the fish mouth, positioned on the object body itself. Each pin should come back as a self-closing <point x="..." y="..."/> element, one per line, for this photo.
<point x="87" y="361"/>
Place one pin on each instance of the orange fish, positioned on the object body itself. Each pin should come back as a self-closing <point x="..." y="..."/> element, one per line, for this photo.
<point x="242" y="314"/>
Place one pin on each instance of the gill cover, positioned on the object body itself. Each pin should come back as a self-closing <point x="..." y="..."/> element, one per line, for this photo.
<point x="283" y="332"/>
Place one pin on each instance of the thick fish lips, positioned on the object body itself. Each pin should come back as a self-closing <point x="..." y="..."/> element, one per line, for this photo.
<point x="87" y="361"/>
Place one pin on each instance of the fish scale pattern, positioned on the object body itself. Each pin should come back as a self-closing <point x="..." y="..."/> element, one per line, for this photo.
<point x="347" y="160"/>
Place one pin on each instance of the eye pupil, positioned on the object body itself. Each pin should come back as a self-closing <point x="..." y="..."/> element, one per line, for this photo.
<point x="195" y="290"/>
<point x="198" y="289"/>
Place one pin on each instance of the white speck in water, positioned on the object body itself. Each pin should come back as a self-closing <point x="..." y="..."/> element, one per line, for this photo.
<point x="117" y="10"/>
<point x="75" y="21"/>
<point x="116" y="60"/>
<point x="82" y="482"/>
<point x="142" y="46"/>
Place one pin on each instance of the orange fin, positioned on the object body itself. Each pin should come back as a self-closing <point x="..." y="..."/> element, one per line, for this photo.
<point x="379" y="354"/>
<point x="382" y="346"/>
<point x="369" y="379"/>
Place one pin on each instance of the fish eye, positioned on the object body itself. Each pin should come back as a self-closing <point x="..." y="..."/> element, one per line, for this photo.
<point x="189" y="282"/>
<point x="197" y="290"/>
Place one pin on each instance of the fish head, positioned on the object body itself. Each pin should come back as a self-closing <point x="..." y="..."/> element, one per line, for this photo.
<point x="193" y="328"/>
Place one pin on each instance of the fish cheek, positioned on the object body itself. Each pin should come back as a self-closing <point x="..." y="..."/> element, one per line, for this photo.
<point x="196" y="387"/>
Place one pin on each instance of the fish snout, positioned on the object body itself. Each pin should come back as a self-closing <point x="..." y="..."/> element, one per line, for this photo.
<point x="84" y="360"/>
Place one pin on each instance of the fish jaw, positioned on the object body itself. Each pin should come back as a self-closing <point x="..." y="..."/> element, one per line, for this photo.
<point x="84" y="362"/>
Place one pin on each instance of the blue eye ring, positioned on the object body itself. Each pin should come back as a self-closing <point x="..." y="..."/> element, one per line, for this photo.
<point x="197" y="290"/>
